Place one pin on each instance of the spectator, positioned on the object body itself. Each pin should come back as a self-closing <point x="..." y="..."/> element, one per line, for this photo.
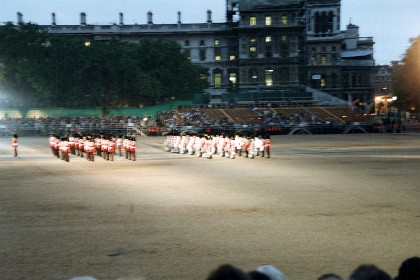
<point x="409" y="269"/>
<point x="228" y="272"/>
<point x="272" y="272"/>
<point x="329" y="276"/>
<point x="255" y="275"/>
<point x="369" y="272"/>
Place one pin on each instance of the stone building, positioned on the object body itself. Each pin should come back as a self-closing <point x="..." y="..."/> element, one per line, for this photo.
<point x="270" y="48"/>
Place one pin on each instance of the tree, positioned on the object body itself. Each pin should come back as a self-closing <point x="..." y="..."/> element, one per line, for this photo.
<point x="406" y="79"/>
<point x="65" y="71"/>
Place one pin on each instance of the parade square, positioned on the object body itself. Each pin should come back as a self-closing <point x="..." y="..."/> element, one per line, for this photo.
<point x="320" y="204"/>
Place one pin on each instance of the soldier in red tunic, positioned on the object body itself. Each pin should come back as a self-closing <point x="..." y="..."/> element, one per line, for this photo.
<point x="15" y="144"/>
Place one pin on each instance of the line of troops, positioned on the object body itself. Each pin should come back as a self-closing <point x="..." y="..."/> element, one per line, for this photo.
<point x="90" y="146"/>
<point x="207" y="146"/>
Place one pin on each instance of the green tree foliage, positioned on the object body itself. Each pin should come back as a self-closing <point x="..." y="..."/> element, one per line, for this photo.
<point x="64" y="71"/>
<point x="407" y="79"/>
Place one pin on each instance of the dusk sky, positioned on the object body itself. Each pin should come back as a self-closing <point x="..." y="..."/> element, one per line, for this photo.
<point x="390" y="22"/>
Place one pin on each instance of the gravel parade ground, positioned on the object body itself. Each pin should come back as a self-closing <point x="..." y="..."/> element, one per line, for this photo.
<point x="320" y="204"/>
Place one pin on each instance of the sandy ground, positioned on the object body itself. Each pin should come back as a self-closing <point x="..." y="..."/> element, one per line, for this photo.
<point x="321" y="204"/>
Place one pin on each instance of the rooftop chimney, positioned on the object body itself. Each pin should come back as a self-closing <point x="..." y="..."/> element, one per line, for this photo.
<point x="209" y="16"/>
<point x="82" y="18"/>
<point x="149" y="17"/>
<point x="53" y="22"/>
<point x="121" y="19"/>
<point x="179" y="17"/>
<point x="19" y="18"/>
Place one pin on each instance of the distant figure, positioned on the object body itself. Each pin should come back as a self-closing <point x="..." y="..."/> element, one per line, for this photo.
<point x="409" y="269"/>
<point x="228" y="272"/>
<point x="369" y="272"/>
<point x="15" y="144"/>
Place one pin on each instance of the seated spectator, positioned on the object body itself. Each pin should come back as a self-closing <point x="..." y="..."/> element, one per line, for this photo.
<point x="228" y="272"/>
<point x="409" y="269"/>
<point x="255" y="275"/>
<point x="369" y="272"/>
<point x="329" y="276"/>
<point x="272" y="272"/>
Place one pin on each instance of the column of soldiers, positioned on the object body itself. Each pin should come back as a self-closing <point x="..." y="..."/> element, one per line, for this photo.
<point x="225" y="146"/>
<point x="103" y="146"/>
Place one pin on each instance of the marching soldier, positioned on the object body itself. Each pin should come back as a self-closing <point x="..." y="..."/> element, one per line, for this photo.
<point x="15" y="144"/>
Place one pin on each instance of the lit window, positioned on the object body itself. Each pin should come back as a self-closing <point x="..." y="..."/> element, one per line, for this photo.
<point x="232" y="57"/>
<point x="323" y="83"/>
<point x="268" y="39"/>
<point x="252" y="21"/>
<point x="268" y="20"/>
<point x="284" y="38"/>
<point x="217" y="80"/>
<point x="216" y="42"/>
<point x="217" y="54"/>
<point x="323" y="60"/>
<point x="269" y="77"/>
<point x="253" y="40"/>
<point x="253" y="74"/>
<point x="87" y="44"/>
<point x="284" y="20"/>
<point x="232" y="79"/>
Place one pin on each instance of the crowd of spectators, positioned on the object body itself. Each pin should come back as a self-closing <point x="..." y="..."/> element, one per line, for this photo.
<point x="408" y="270"/>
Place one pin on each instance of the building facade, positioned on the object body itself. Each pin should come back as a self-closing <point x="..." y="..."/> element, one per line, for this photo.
<point x="264" y="46"/>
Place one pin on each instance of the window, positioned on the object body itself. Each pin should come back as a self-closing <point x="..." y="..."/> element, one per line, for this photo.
<point x="253" y="51"/>
<point x="323" y="84"/>
<point x="284" y="38"/>
<point x="283" y="20"/>
<point x="252" y="21"/>
<point x="232" y="53"/>
<point x="313" y="60"/>
<point x="269" y="77"/>
<point x="232" y="80"/>
<point x="323" y="60"/>
<point x="253" y="76"/>
<point x="217" y="54"/>
<point x="217" y="42"/>
<point x="202" y="43"/>
<point x="186" y="43"/>
<point x="253" y="40"/>
<point x="268" y="39"/>
<point x="217" y="80"/>
<point x="87" y="44"/>
<point x="268" y="20"/>
<point x="202" y="54"/>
